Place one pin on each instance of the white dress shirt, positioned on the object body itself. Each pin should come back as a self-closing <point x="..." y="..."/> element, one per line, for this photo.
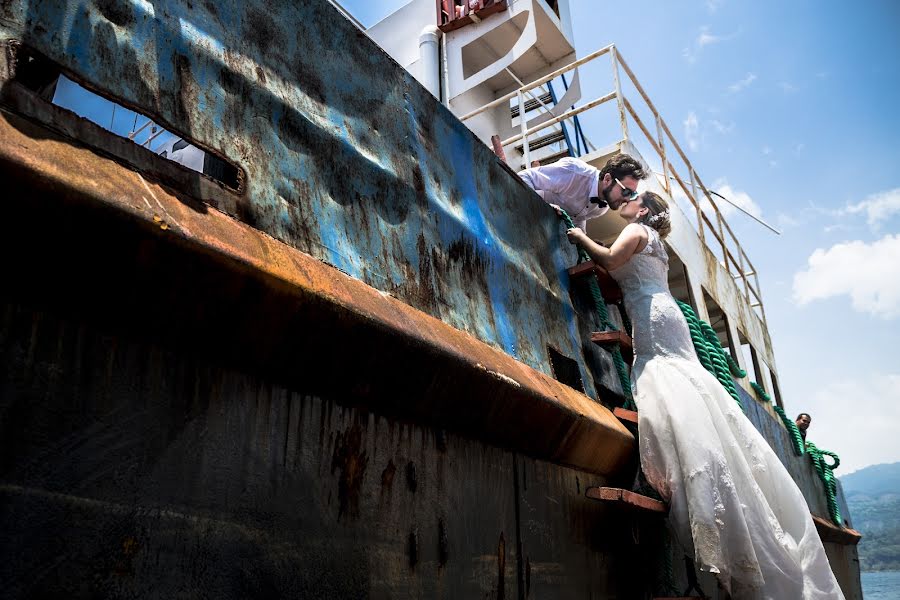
<point x="570" y="184"/>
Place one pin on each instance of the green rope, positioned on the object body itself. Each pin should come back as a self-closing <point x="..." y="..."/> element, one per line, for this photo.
<point x="760" y="392"/>
<point x="710" y="352"/>
<point x="603" y="314"/>
<point x="626" y="322"/>
<point x="735" y="369"/>
<point x="826" y="474"/>
<point x="793" y="430"/>
<point x="668" y="574"/>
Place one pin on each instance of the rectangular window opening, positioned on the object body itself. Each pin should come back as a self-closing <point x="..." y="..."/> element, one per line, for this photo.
<point x="565" y="369"/>
<point x="44" y="78"/>
<point x="777" y="391"/>
<point x="751" y="358"/>
<point x="679" y="282"/>
<point x="718" y="320"/>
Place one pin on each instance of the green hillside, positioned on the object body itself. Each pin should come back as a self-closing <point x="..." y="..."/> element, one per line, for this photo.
<point x="873" y="495"/>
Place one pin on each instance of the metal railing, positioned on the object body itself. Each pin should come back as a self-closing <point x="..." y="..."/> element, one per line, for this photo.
<point x="710" y="229"/>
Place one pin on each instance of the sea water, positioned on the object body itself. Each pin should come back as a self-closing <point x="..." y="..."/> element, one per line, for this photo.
<point x="881" y="585"/>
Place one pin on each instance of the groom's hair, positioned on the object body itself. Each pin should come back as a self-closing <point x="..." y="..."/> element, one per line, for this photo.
<point x="622" y="165"/>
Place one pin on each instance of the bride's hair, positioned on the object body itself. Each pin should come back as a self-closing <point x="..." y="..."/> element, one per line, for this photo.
<point x="657" y="215"/>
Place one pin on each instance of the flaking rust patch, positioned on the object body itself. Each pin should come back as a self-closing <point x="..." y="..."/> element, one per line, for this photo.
<point x="500" y="376"/>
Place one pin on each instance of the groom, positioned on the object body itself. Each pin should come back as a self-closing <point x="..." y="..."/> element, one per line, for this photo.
<point x="581" y="190"/>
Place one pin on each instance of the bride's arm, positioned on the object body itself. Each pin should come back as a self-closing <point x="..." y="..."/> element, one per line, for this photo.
<point x="632" y="239"/>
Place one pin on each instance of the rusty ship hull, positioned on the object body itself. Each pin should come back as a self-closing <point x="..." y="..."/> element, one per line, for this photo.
<point x="324" y="376"/>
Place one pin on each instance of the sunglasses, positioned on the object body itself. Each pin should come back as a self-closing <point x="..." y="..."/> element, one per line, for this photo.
<point x="627" y="193"/>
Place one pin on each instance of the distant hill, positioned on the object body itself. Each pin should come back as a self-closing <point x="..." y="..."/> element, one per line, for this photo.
<point x="874" y="480"/>
<point x="873" y="495"/>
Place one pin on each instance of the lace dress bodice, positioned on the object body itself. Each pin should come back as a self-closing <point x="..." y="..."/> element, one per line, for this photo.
<point x="659" y="326"/>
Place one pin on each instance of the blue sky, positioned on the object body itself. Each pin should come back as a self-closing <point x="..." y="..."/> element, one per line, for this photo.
<point x="791" y="109"/>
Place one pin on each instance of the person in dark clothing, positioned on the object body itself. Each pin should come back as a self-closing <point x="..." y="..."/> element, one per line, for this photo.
<point x="803" y="420"/>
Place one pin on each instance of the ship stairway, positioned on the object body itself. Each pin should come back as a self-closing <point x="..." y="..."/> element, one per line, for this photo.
<point x="557" y="141"/>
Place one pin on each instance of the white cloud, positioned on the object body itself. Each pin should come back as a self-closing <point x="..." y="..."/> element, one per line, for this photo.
<point x="868" y="273"/>
<point x="863" y="433"/>
<point x="704" y="38"/>
<point x="741" y="84"/>
<point x="692" y="131"/>
<point x="766" y="150"/>
<point x="722" y="128"/>
<point x="786" y="221"/>
<point x="835" y="227"/>
<point x="713" y="5"/>
<point x="788" y="87"/>
<point x="877" y="207"/>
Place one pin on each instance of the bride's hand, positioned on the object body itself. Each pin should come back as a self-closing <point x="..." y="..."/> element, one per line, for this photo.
<point x="576" y="235"/>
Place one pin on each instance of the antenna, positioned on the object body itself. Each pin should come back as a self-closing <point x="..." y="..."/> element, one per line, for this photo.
<point x="752" y="216"/>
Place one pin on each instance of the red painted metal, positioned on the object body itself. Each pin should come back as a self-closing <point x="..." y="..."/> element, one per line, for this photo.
<point x="454" y="14"/>
<point x="608" y="339"/>
<point x="608" y="285"/>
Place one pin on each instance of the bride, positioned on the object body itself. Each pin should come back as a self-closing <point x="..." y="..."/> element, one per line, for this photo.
<point x="729" y="496"/>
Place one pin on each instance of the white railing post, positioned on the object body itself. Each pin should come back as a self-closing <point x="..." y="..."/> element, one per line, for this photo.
<point x="614" y="57"/>
<point x="524" y="127"/>
<point x="697" y="204"/>
<point x="662" y="152"/>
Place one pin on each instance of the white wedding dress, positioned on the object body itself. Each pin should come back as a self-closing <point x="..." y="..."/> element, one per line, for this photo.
<point x="728" y="492"/>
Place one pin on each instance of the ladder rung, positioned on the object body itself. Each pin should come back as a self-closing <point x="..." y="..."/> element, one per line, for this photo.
<point x="551" y="138"/>
<point x="627" y="500"/>
<point x="549" y="160"/>
<point x="530" y="105"/>
<point x="608" y="339"/>
<point x="829" y="532"/>
<point x="608" y="286"/>
<point x="629" y="416"/>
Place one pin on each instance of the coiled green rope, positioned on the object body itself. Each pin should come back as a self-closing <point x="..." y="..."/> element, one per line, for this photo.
<point x="793" y="430"/>
<point x="760" y="392"/>
<point x="603" y="314"/>
<point x="710" y="352"/>
<point x="826" y="474"/>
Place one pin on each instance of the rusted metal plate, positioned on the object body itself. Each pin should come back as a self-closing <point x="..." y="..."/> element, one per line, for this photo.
<point x="571" y="546"/>
<point x="133" y="470"/>
<point x="197" y="266"/>
<point x="345" y="156"/>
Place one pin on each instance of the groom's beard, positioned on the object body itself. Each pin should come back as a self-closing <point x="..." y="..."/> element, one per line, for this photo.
<point x="610" y="203"/>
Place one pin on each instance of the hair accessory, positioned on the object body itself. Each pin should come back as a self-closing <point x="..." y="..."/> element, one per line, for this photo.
<point x="658" y="217"/>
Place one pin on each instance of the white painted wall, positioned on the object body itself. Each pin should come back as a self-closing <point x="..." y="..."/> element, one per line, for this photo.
<point x="398" y="33"/>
